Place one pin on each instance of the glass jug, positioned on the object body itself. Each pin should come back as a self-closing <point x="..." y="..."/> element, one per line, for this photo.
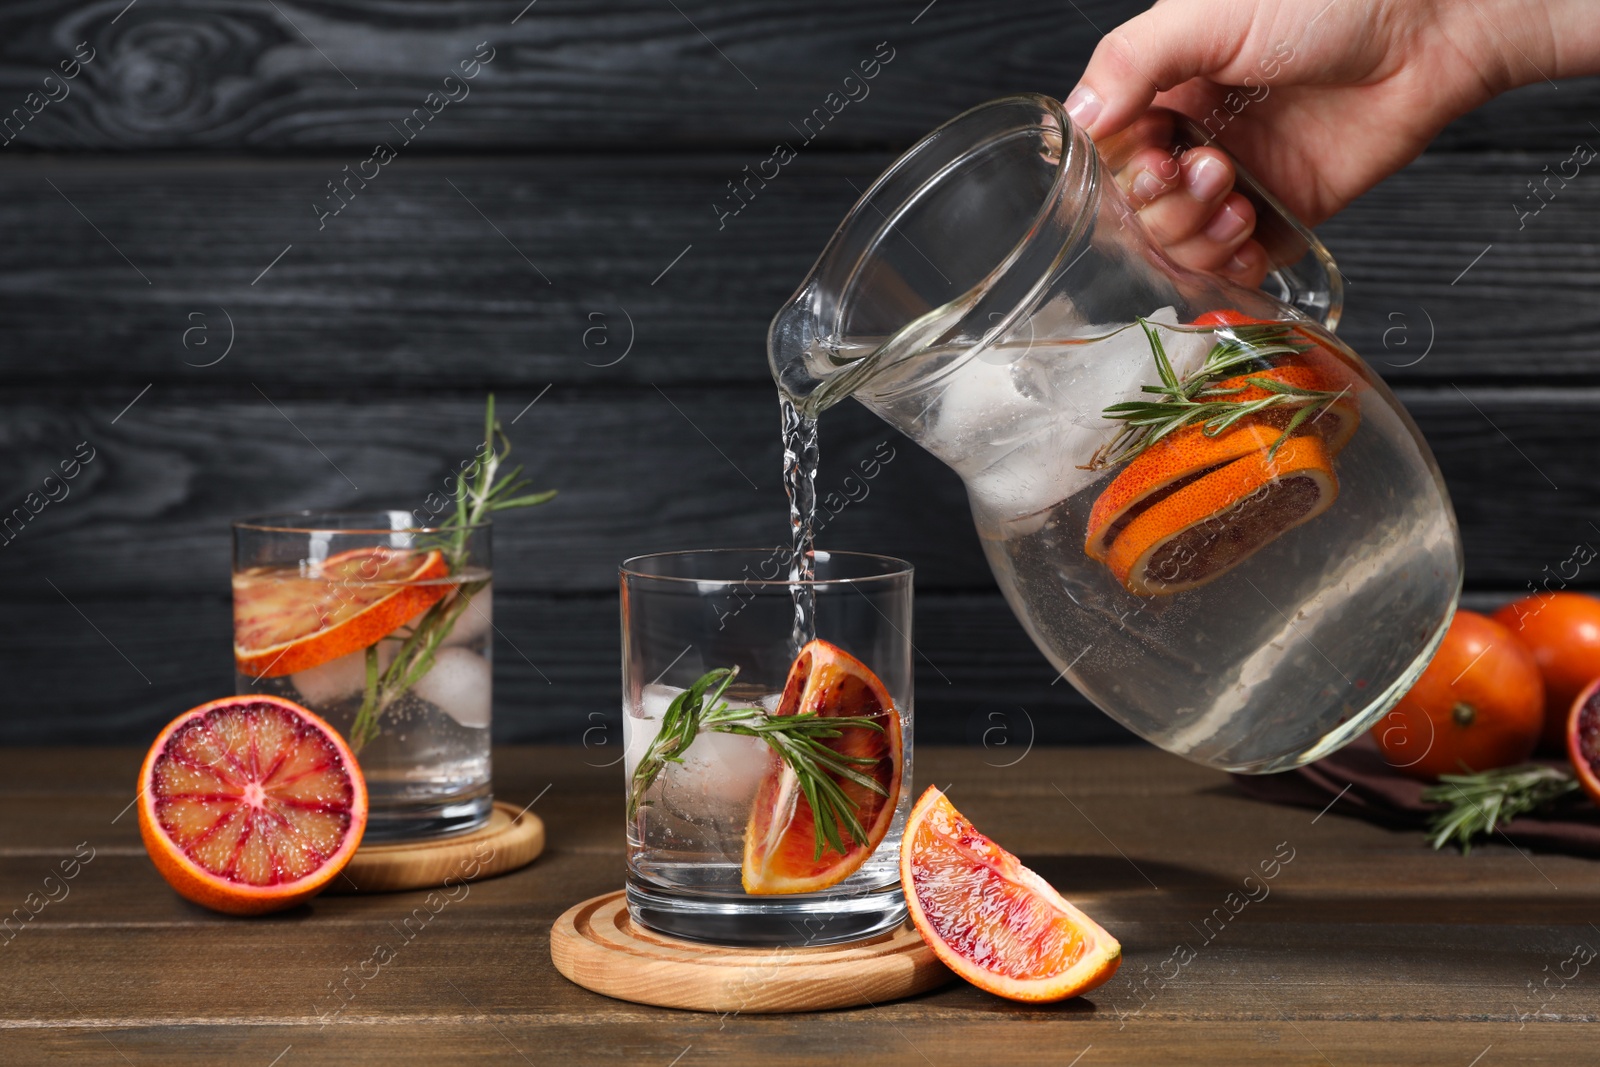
<point x="1208" y="513"/>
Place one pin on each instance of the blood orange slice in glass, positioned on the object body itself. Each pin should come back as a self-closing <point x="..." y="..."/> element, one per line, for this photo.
<point x="990" y="919"/>
<point x="286" y="621"/>
<point x="250" y="804"/>
<point x="781" y="853"/>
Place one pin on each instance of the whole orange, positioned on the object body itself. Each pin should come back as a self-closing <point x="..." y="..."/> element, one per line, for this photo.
<point x="1479" y="705"/>
<point x="1562" y="630"/>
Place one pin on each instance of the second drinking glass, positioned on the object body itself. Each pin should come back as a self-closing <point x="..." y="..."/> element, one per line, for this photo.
<point x="385" y="629"/>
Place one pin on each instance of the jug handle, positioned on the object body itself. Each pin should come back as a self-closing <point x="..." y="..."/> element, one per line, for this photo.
<point x="1302" y="271"/>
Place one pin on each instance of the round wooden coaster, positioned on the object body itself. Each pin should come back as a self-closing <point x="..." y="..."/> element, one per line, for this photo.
<point x="509" y="840"/>
<point x="597" y="945"/>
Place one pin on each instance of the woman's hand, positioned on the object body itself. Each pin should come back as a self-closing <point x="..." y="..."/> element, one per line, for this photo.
<point x="1321" y="100"/>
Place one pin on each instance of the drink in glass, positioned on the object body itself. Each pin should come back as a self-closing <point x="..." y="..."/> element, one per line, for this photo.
<point x="725" y="842"/>
<point x="385" y="630"/>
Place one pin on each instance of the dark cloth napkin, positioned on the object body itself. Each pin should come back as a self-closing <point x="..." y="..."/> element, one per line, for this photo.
<point x="1375" y="791"/>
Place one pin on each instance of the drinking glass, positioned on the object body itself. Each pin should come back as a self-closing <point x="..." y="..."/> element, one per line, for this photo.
<point x="385" y="629"/>
<point x="687" y="613"/>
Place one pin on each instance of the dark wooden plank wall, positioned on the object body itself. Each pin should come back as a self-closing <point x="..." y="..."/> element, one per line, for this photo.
<point x="521" y="243"/>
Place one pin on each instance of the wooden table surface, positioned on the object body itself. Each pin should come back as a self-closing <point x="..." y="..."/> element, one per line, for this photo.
<point x="1365" y="948"/>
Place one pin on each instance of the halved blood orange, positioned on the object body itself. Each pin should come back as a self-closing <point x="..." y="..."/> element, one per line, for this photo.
<point x="1583" y="739"/>
<point x="285" y="621"/>
<point x="992" y="920"/>
<point x="250" y="804"/>
<point x="1216" y="522"/>
<point x="780" y="840"/>
<point x="1162" y="469"/>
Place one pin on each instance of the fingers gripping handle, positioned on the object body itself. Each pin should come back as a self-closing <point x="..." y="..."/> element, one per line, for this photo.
<point x="1301" y="272"/>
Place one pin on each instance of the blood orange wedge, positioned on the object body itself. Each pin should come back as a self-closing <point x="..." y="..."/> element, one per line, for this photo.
<point x="781" y="847"/>
<point x="989" y="918"/>
<point x="1163" y="469"/>
<point x="287" y="620"/>
<point x="250" y="804"/>
<point x="1216" y="522"/>
<point x="1583" y="739"/>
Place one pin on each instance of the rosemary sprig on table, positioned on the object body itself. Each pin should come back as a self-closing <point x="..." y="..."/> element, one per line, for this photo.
<point x="488" y="490"/>
<point x="1476" y="805"/>
<point x="797" y="739"/>
<point x="1195" y="398"/>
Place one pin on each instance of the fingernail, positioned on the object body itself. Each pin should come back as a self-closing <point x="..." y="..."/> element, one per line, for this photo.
<point x="1237" y="266"/>
<point x="1207" y="178"/>
<point x="1084" y="106"/>
<point x="1146" y="187"/>
<point x="1225" y="225"/>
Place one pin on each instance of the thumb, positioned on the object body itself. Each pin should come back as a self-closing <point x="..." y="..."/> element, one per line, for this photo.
<point x="1151" y="53"/>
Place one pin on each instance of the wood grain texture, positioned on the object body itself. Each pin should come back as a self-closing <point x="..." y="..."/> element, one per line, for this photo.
<point x="123" y="583"/>
<point x="645" y="471"/>
<point x="979" y="680"/>
<point x="563" y="215"/>
<point x="596" y="945"/>
<point x="1369" y="947"/>
<point x="313" y="74"/>
<point x="508" y="841"/>
<point x="410" y="288"/>
<point x="862" y="1037"/>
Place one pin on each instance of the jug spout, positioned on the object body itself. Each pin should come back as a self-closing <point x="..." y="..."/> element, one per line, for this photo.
<point x="802" y="362"/>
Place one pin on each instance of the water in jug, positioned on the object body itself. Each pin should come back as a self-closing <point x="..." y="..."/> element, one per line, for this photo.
<point x="1211" y="516"/>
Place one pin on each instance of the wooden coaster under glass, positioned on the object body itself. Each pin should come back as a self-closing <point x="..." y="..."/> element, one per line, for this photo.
<point x="509" y="840"/>
<point x="597" y="945"/>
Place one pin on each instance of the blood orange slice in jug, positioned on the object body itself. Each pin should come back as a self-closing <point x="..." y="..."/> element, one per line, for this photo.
<point x="1314" y="369"/>
<point x="1216" y="522"/>
<point x="1163" y="469"/>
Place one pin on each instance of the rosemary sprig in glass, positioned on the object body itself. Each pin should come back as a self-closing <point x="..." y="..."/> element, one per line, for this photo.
<point x="1476" y="805"/>
<point x="489" y="489"/>
<point x="797" y="739"/>
<point x="1195" y="398"/>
